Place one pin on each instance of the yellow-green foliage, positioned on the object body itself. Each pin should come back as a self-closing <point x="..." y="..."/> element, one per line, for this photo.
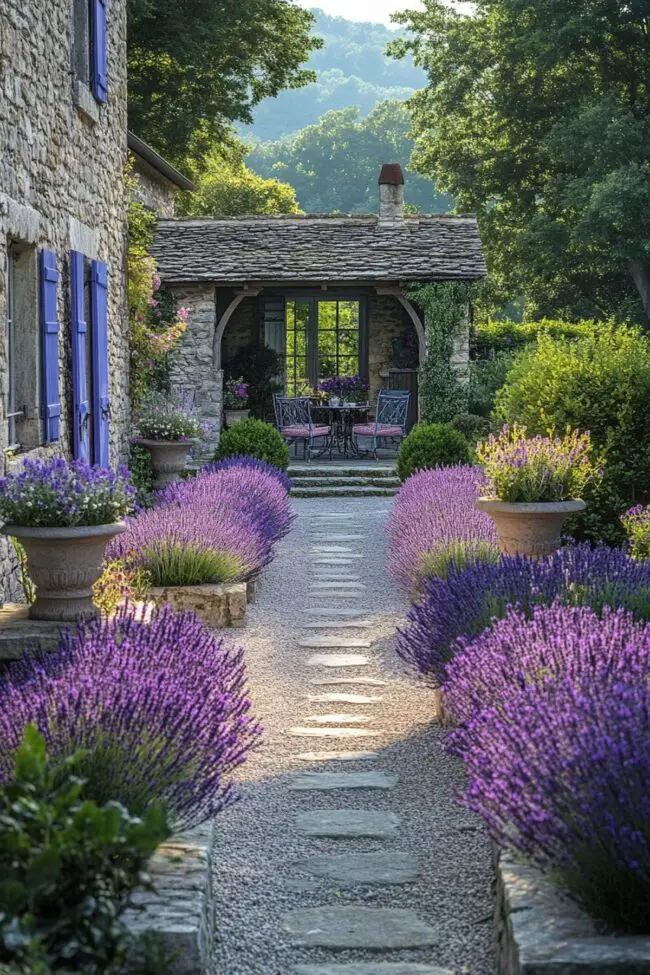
<point x="599" y="382"/>
<point x="507" y="334"/>
<point x="119" y="581"/>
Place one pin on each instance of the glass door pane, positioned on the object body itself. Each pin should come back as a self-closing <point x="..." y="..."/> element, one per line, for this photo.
<point x="297" y="360"/>
<point x="338" y="338"/>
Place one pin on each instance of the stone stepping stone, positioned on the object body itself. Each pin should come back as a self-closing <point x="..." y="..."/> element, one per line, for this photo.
<point x="372" y="968"/>
<point x="336" y="537"/>
<point x="334" y="575"/>
<point x="313" y="642"/>
<point x="350" y="926"/>
<point x="366" y="681"/>
<point x="338" y="625"/>
<point x="363" y="868"/>
<point x="334" y="549"/>
<point x="324" y="781"/>
<point x="342" y="698"/>
<point x="336" y="594"/>
<point x="334" y="733"/>
<point x="344" y="612"/>
<point x="342" y="756"/>
<point x="339" y="718"/>
<point x="367" y="823"/>
<point x="336" y="559"/>
<point x="338" y="660"/>
<point x="336" y="585"/>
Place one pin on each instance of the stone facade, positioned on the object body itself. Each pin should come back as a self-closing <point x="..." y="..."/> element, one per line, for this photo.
<point x="61" y="188"/>
<point x="153" y="190"/>
<point x="193" y="362"/>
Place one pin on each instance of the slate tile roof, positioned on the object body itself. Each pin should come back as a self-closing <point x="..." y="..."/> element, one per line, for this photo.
<point x="315" y="249"/>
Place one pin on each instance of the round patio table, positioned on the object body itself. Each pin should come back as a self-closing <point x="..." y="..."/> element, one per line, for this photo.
<point x="341" y="419"/>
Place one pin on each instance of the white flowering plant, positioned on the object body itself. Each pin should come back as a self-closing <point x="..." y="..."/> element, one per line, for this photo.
<point x="163" y="419"/>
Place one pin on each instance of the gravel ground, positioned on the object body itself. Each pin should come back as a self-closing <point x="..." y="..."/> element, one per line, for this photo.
<point x="257" y="875"/>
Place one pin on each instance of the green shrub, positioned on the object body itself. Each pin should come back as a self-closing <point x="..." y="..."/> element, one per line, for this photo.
<point x="170" y="563"/>
<point x="68" y="868"/>
<point x="472" y="426"/>
<point x="254" y="438"/>
<point x="489" y="338"/>
<point x="636" y="524"/>
<point x="431" y="445"/>
<point x="599" y="383"/>
<point x="486" y="377"/>
<point x="141" y="474"/>
<point x="459" y="554"/>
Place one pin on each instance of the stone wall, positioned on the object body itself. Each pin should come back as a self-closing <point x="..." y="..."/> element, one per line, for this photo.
<point x="387" y="322"/>
<point x="153" y="190"/>
<point x="193" y="364"/>
<point x="61" y="188"/>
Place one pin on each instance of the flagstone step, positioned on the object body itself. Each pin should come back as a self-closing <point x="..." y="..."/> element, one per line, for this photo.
<point x="371" y="968"/>
<point x="334" y="536"/>
<point x="341" y="698"/>
<point x="345" y="612"/>
<point x="340" y="718"/>
<point x="338" y="660"/>
<point x="325" y="781"/>
<point x="343" y="492"/>
<point x="345" y="823"/>
<point x="338" y="625"/>
<point x="324" y="732"/>
<point x="351" y="926"/>
<point x="344" y="481"/>
<point x="342" y="756"/>
<point x="315" y="642"/>
<point x="370" y="469"/>
<point x="367" y="681"/>
<point x="363" y="868"/>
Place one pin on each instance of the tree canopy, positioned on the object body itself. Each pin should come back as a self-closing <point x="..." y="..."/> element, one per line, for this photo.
<point x="334" y="165"/>
<point x="537" y="115"/>
<point x="225" y="187"/>
<point x="197" y="65"/>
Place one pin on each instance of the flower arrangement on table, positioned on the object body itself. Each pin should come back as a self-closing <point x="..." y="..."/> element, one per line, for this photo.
<point x="353" y="389"/>
<point x="235" y="394"/>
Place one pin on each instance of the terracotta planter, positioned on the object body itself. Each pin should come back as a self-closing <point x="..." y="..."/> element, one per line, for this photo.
<point x="168" y="459"/>
<point x="235" y="416"/>
<point x="63" y="564"/>
<point x="529" y="529"/>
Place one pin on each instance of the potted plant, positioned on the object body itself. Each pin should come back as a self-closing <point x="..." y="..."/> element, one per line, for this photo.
<point x="168" y="432"/>
<point x="235" y="401"/>
<point x="63" y="515"/>
<point x="534" y="484"/>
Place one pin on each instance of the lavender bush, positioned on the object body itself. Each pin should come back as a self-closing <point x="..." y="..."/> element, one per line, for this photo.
<point x="434" y="523"/>
<point x="65" y="494"/>
<point x="560" y="772"/>
<point x="556" y="642"/>
<point x="183" y="544"/>
<point x="636" y="523"/>
<point x="467" y="601"/>
<point x="160" y="708"/>
<point x="522" y="469"/>
<point x="251" y="463"/>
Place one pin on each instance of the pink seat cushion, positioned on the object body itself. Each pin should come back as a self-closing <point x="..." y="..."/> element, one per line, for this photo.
<point x="376" y="430"/>
<point x="302" y="432"/>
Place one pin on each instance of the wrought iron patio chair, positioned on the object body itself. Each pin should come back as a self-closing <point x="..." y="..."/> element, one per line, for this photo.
<point x="389" y="422"/>
<point x="295" y="424"/>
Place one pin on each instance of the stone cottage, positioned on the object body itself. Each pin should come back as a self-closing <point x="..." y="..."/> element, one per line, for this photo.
<point x="158" y="181"/>
<point x="327" y="293"/>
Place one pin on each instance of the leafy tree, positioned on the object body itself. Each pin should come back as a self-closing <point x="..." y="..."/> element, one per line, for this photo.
<point x="195" y="65"/>
<point x="226" y="187"/>
<point x="537" y="115"/>
<point x="334" y="165"/>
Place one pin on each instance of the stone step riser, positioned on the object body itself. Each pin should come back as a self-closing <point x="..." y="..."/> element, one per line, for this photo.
<point x="327" y="472"/>
<point x="306" y="482"/>
<point x="343" y="492"/>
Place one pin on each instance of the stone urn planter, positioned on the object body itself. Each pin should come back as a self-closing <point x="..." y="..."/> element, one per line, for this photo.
<point x="63" y="564"/>
<point x="531" y="529"/>
<point x="168" y="459"/>
<point x="235" y="416"/>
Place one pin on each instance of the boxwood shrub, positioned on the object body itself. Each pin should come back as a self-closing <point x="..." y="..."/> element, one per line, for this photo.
<point x="254" y="438"/>
<point x="431" y="445"/>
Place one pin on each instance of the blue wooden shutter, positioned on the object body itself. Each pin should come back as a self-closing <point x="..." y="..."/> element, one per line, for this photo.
<point x="99" y="336"/>
<point x="98" y="49"/>
<point x="80" y="416"/>
<point x="51" y="409"/>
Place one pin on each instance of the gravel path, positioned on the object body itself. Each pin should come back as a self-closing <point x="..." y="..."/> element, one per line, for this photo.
<point x="434" y="858"/>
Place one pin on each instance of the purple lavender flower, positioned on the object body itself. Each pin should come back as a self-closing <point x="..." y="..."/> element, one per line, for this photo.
<point x="469" y="599"/>
<point x="555" y="643"/>
<point x="251" y="463"/>
<point x="160" y="708"/>
<point x="434" y="516"/>
<point x="560" y="772"/>
<point x="58" y="494"/>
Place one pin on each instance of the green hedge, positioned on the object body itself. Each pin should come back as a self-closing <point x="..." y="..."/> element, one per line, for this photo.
<point x="254" y="438"/>
<point x="431" y="445"/>
<point x="491" y="337"/>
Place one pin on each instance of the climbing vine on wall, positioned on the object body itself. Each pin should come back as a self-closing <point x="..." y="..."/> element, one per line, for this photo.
<point x="442" y="395"/>
<point x="155" y="324"/>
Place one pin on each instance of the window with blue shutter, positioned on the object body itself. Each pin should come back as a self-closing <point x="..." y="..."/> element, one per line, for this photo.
<point x="49" y="277"/>
<point x="98" y="72"/>
<point x="99" y="335"/>
<point x="80" y="416"/>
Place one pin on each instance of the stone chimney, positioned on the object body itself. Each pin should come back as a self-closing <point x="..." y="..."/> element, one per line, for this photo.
<point x="391" y="195"/>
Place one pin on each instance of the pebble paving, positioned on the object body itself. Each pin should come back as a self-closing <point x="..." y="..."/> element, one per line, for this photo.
<point x="342" y="860"/>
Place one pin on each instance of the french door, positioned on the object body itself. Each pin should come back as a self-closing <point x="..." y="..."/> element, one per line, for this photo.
<point x="324" y="337"/>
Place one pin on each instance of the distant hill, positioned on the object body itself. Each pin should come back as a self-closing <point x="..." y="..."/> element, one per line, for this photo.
<point x="352" y="70"/>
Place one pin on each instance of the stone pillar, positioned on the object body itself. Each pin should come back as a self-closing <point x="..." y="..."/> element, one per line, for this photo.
<point x="193" y="365"/>
<point x="460" y="352"/>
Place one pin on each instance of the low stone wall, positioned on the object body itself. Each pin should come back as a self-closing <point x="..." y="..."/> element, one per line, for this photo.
<point x="216" y="605"/>
<point x="179" y="912"/>
<point x="540" y="931"/>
